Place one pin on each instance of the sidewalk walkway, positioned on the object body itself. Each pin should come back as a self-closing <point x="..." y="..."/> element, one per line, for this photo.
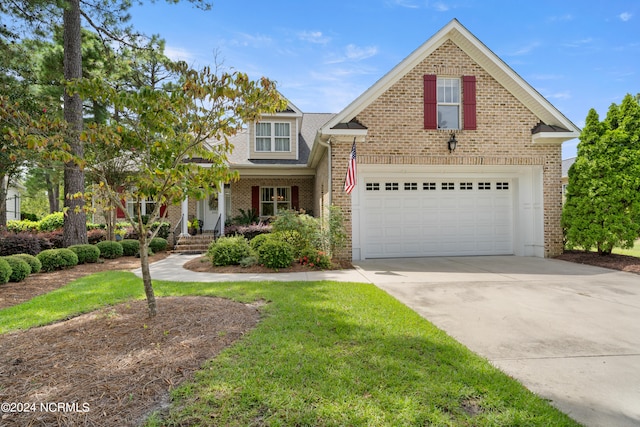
<point x="171" y="269"/>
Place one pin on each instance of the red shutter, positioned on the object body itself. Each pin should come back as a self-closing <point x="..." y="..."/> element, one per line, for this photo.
<point x="430" y="101"/>
<point x="255" y="198"/>
<point x="469" y="102"/>
<point x="295" y="198"/>
<point x="163" y="210"/>
<point x="119" y="212"/>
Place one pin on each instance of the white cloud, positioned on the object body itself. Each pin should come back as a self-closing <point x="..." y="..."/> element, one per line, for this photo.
<point x="563" y="95"/>
<point x="579" y="43"/>
<point x="546" y="77"/>
<point x="526" y="49"/>
<point x="625" y="16"/>
<point x="356" y="53"/>
<point x="562" y="18"/>
<point x="409" y="4"/>
<point x="179" y="54"/>
<point x="314" y="37"/>
<point x="440" y="6"/>
<point x="251" y="40"/>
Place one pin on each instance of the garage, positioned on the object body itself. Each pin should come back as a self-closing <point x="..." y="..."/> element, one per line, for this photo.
<point x="421" y="215"/>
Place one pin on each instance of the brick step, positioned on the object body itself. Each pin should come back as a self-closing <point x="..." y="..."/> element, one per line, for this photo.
<point x="194" y="244"/>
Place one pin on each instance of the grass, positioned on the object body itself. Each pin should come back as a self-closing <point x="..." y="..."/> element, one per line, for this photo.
<point x="324" y="354"/>
<point x="635" y="251"/>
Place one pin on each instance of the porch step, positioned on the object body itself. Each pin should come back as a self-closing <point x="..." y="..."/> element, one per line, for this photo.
<point x="194" y="244"/>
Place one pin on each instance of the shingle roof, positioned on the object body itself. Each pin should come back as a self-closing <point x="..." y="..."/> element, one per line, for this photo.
<point x="566" y="164"/>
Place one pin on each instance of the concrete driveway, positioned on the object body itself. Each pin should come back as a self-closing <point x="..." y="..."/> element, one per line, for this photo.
<point x="568" y="332"/>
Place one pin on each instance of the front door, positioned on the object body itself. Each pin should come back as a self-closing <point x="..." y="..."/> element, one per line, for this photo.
<point x="209" y="212"/>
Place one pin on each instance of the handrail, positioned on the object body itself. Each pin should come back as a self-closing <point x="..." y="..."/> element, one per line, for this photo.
<point x="178" y="225"/>
<point x="217" y="230"/>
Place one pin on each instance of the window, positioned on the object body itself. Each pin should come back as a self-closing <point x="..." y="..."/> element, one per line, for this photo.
<point x="484" y="186"/>
<point x="274" y="200"/>
<point x="410" y="186"/>
<point x="391" y="186"/>
<point x="146" y="206"/>
<point x="502" y="185"/>
<point x="373" y="186"/>
<point x="448" y="186"/>
<point x="429" y="186"/>
<point x="448" y="103"/>
<point x="273" y="137"/>
<point x="466" y="186"/>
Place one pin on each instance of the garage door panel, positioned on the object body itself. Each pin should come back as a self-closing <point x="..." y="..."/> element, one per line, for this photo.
<point x="427" y="220"/>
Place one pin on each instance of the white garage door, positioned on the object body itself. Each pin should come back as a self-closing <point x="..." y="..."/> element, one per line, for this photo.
<point x="437" y="217"/>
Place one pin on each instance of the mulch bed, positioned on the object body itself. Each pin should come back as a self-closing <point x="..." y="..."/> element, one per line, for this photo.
<point x="203" y="265"/>
<point x="613" y="261"/>
<point x="114" y="366"/>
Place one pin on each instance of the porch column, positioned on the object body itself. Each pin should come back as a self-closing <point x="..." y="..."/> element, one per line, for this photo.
<point x="221" y="207"/>
<point x="185" y="216"/>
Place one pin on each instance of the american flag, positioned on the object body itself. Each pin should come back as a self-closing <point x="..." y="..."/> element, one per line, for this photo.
<point x="350" y="180"/>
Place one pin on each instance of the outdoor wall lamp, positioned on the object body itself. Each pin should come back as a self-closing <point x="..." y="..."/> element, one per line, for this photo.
<point x="452" y="142"/>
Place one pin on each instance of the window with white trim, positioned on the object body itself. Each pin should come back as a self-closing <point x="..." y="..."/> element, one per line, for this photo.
<point x="273" y="137"/>
<point x="448" y="103"/>
<point x="147" y="206"/>
<point x="274" y="200"/>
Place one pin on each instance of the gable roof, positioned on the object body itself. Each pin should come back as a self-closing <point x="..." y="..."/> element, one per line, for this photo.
<point x="489" y="61"/>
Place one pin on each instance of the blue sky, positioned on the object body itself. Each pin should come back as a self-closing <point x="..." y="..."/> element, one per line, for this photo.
<point x="323" y="54"/>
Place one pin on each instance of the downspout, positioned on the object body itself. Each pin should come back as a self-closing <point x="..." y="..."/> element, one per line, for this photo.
<point x="325" y="141"/>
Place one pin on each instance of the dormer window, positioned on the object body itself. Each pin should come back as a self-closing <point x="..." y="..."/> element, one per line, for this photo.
<point x="448" y="103"/>
<point x="273" y="137"/>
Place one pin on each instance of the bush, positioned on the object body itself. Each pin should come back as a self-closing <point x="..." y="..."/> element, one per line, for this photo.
<point x="248" y="231"/>
<point x="130" y="247"/>
<point x="54" y="239"/>
<point x="19" y="269"/>
<point x="33" y="262"/>
<point x="228" y="250"/>
<point x="300" y="230"/>
<point x="276" y="253"/>
<point x="314" y="258"/>
<point x="158" y="244"/>
<point x="22" y="225"/>
<point x="20" y="243"/>
<point x="249" y="261"/>
<point x="110" y="250"/>
<point x="29" y="216"/>
<point x="51" y="222"/>
<point x="5" y="271"/>
<point x="165" y="229"/>
<point x="257" y="241"/>
<point x="86" y="253"/>
<point x="57" y="259"/>
<point x="96" y="235"/>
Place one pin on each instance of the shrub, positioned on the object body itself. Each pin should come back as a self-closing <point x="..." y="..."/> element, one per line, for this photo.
<point x="22" y="225"/>
<point x="110" y="250"/>
<point x="130" y="247"/>
<point x="19" y="269"/>
<point x="228" y="250"/>
<point x="29" y="216"/>
<point x="257" y="241"/>
<point x="158" y="244"/>
<point x="86" y="253"/>
<point x="314" y="258"/>
<point x="249" y="261"/>
<point x="300" y="230"/>
<point x="54" y="239"/>
<point x="165" y="229"/>
<point x="5" y="271"/>
<point x="19" y="243"/>
<point x="248" y="231"/>
<point x="96" y="235"/>
<point x="57" y="259"/>
<point x="33" y="262"/>
<point x="276" y="253"/>
<point x="51" y="222"/>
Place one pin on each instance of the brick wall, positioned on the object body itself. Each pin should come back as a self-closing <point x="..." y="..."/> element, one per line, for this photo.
<point x="241" y="191"/>
<point x="396" y="135"/>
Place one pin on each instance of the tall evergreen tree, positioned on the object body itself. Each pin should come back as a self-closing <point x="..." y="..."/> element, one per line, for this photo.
<point x="603" y="196"/>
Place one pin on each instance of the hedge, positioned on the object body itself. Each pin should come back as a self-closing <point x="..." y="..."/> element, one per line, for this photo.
<point x="33" y="262"/>
<point x="5" y="271"/>
<point x="19" y="269"/>
<point x="86" y="253"/>
<point x="158" y="244"/>
<point x="110" y="249"/>
<point x="57" y="259"/>
<point x="130" y="247"/>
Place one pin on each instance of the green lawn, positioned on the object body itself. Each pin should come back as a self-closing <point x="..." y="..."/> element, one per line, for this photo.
<point x="635" y="251"/>
<point x="324" y="354"/>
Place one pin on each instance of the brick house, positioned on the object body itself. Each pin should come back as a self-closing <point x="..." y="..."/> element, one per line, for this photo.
<point x="456" y="155"/>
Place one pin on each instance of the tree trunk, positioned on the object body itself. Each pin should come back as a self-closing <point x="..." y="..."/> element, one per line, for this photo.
<point x="53" y="193"/>
<point x="146" y="274"/>
<point x="75" y="222"/>
<point x="4" y="190"/>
